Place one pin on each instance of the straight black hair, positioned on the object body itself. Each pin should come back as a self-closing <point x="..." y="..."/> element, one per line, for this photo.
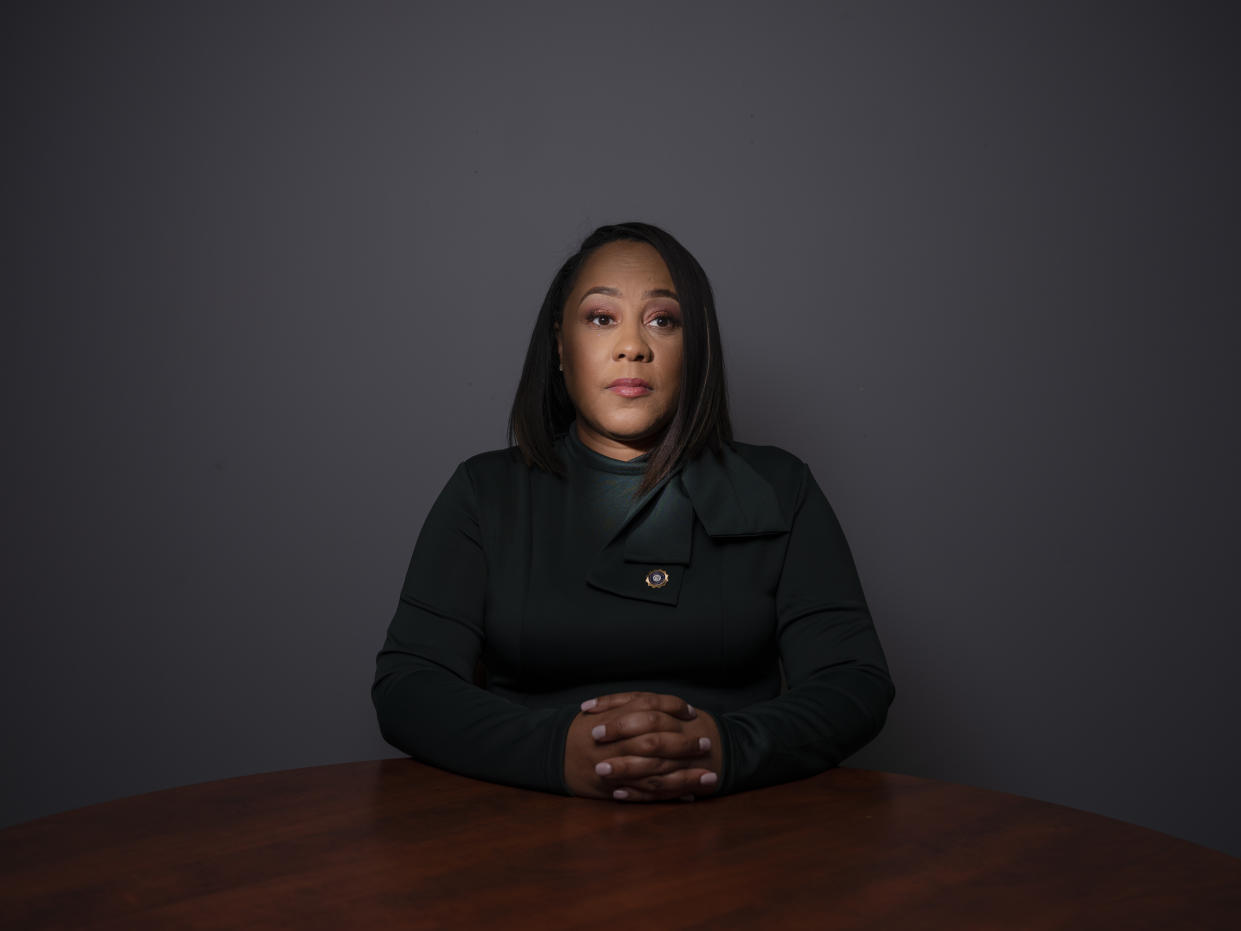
<point x="542" y="408"/>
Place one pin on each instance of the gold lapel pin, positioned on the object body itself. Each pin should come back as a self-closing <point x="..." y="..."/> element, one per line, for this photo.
<point x="657" y="578"/>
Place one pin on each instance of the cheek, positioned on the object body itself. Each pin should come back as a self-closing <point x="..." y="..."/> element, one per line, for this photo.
<point x="672" y="370"/>
<point x="579" y="371"/>
<point x="577" y="364"/>
<point x="573" y="350"/>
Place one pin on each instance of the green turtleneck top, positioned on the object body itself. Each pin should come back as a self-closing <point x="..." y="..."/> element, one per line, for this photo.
<point x="541" y="583"/>
<point x="606" y="490"/>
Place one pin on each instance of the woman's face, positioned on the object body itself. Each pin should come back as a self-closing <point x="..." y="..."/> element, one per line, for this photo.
<point x="620" y="342"/>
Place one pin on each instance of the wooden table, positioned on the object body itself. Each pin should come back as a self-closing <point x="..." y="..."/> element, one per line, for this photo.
<point x="395" y="843"/>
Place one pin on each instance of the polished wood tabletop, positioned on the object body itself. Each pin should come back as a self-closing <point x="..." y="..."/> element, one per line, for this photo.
<point x="400" y="843"/>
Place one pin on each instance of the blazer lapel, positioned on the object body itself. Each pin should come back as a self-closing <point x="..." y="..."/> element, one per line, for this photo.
<point x="731" y="499"/>
<point x="647" y="556"/>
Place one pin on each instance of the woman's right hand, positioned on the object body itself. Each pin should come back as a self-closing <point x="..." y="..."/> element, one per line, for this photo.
<point x="645" y="735"/>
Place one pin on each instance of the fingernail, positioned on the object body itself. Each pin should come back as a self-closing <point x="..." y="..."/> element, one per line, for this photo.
<point x="690" y="709"/>
<point x="598" y="731"/>
<point x="589" y="703"/>
<point x="709" y="779"/>
<point x="603" y="769"/>
<point x="704" y="743"/>
<point x="620" y="793"/>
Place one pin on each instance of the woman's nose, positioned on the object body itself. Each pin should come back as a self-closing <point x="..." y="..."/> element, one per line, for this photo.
<point x="631" y="345"/>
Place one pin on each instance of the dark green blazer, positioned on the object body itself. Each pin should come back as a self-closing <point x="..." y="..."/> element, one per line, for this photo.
<point x="509" y="570"/>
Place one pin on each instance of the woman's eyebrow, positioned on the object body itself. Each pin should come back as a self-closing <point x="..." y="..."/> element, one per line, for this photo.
<point x="615" y="292"/>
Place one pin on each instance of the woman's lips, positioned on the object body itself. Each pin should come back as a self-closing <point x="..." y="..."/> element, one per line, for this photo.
<point x="629" y="387"/>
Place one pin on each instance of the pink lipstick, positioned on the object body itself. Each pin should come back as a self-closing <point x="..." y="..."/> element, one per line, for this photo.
<point x="630" y="387"/>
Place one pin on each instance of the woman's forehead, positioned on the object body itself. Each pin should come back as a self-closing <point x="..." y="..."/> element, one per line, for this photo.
<point x="623" y="267"/>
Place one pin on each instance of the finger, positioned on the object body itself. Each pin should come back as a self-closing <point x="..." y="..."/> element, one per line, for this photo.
<point x="630" y="794"/>
<point x="666" y="744"/>
<point x="689" y="781"/>
<point x="633" y="724"/>
<point x="649" y="701"/>
<point x="607" y="702"/>
<point x="675" y="785"/>
<point x="629" y="769"/>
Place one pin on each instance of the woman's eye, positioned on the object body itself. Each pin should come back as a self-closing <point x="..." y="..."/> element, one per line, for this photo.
<point x="599" y="319"/>
<point x="664" y="322"/>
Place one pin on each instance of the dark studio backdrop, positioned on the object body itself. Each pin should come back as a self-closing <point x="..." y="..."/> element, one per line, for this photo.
<point x="271" y="269"/>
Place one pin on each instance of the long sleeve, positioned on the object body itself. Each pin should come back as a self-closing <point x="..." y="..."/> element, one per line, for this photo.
<point x="839" y="687"/>
<point x="424" y="694"/>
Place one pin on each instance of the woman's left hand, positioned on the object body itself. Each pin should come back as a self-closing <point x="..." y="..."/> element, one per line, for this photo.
<point x="638" y="771"/>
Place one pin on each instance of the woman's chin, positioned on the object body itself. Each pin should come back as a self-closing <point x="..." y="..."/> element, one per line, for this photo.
<point x="636" y="430"/>
<point x="640" y="436"/>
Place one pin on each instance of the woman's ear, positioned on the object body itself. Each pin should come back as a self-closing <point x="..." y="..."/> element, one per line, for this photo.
<point x="559" y="345"/>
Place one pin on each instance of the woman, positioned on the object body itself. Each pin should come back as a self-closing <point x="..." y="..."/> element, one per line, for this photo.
<point x="628" y="577"/>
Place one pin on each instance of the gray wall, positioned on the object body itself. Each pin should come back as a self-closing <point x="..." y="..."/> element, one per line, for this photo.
<point x="272" y="267"/>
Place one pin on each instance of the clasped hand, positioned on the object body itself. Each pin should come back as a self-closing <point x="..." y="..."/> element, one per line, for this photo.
<point x="642" y="747"/>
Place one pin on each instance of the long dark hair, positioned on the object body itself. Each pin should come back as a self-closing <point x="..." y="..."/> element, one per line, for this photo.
<point x="542" y="408"/>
